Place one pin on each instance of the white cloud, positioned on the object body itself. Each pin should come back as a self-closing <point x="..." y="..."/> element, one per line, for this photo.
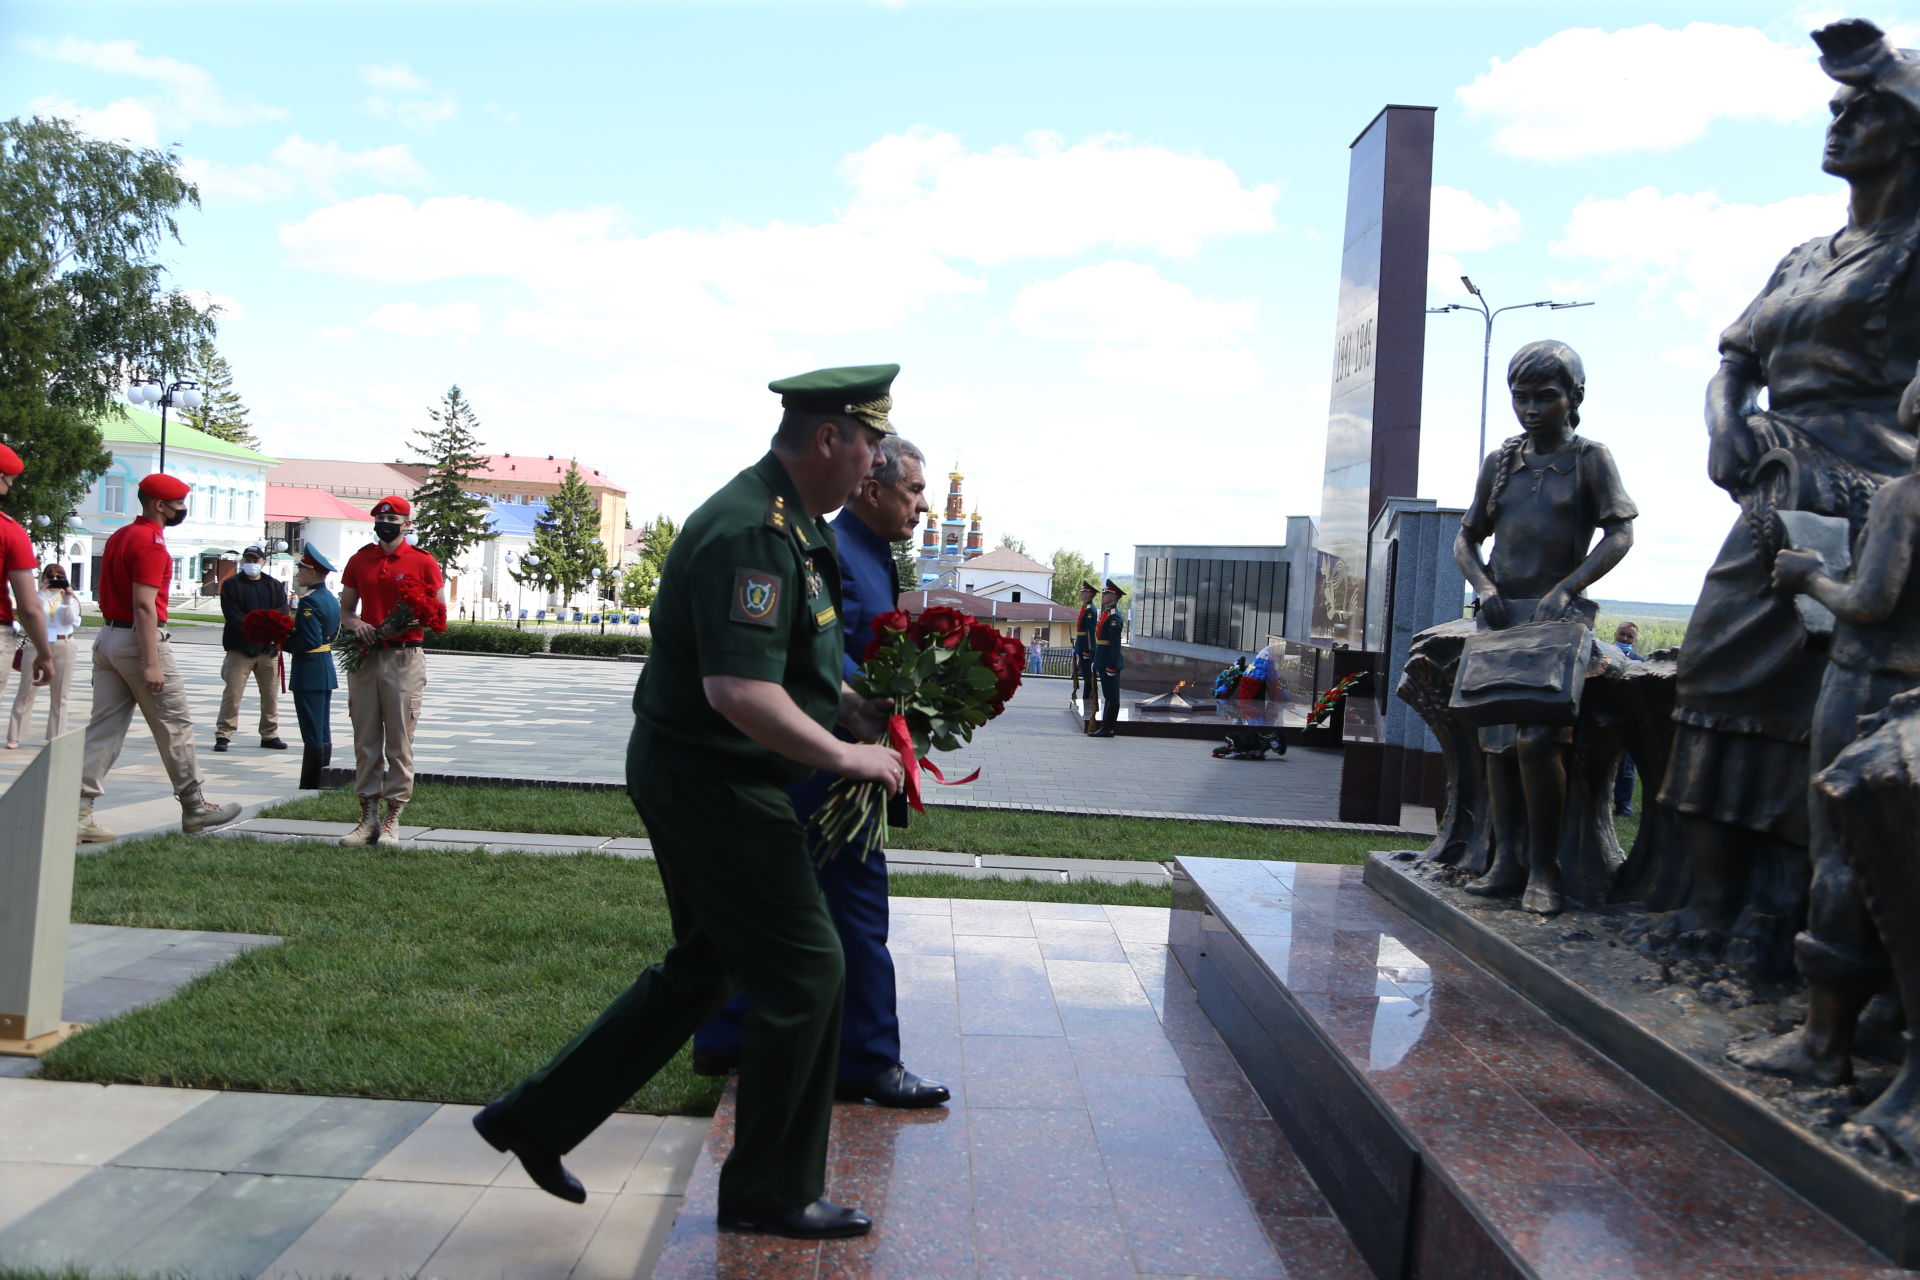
<point x="1700" y="254"/>
<point x="404" y="96"/>
<point x="300" y="165"/>
<point x="1462" y="224"/>
<point x="1047" y="199"/>
<point x="230" y="310"/>
<point x="1126" y="302"/>
<point x="188" y="94"/>
<point x="411" y="320"/>
<point x="1201" y="372"/>
<point x="1586" y="92"/>
<point x="128" y="120"/>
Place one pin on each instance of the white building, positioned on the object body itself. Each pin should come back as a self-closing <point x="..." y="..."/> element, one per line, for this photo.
<point x="226" y="509"/>
<point x="1007" y="575"/>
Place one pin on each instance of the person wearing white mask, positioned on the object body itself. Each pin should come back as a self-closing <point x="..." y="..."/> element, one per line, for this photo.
<point x="63" y="618"/>
<point x="240" y="595"/>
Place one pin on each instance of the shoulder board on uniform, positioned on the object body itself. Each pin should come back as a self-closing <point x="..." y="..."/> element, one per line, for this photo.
<point x="777" y="514"/>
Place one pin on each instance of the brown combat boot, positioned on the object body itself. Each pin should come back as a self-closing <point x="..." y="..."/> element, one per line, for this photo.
<point x="369" y="829"/>
<point x="197" y="814"/>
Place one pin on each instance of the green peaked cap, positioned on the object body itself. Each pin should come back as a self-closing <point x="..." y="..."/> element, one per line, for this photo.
<point x="863" y="390"/>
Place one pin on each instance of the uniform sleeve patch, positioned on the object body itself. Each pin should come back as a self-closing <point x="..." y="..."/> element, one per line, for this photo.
<point x="756" y="597"/>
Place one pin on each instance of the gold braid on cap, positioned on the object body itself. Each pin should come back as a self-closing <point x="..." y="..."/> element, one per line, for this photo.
<point x="874" y="413"/>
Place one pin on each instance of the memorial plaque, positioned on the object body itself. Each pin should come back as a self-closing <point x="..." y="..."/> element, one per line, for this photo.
<point x="1373" y="420"/>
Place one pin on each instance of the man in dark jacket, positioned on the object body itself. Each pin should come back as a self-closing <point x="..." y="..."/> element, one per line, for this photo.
<point x="240" y="595"/>
<point x="884" y="509"/>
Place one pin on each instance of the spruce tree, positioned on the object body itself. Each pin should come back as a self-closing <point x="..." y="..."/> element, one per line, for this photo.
<point x="906" y="565"/>
<point x="566" y="540"/>
<point x="447" y="517"/>
<point x="221" y="414"/>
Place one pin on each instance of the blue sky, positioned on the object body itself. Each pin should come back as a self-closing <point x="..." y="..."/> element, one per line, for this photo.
<point x="1103" y="240"/>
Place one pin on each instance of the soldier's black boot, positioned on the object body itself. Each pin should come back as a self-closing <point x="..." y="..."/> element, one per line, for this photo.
<point x="311" y="760"/>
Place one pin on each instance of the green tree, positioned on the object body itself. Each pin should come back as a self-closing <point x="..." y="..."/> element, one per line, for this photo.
<point x="447" y="517"/>
<point x="221" y="413"/>
<point x="566" y="540"/>
<point x="643" y="576"/>
<point x="906" y="563"/>
<point x="1070" y="569"/>
<point x="1012" y="543"/>
<point x="82" y="302"/>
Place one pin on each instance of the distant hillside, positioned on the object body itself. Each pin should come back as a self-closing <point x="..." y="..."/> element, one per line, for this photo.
<point x="1643" y="609"/>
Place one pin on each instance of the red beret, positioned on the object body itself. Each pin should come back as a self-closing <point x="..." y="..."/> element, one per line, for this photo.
<point x="163" y="486"/>
<point x="10" y="464"/>
<point x="398" y="505"/>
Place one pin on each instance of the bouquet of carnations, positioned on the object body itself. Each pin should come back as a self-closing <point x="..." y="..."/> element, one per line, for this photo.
<point x="1324" y="704"/>
<point x="947" y="674"/>
<point x="415" y="607"/>
<point x="266" y="627"/>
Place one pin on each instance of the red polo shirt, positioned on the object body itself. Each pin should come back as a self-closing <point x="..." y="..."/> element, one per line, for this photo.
<point x="135" y="553"/>
<point x="16" y="552"/>
<point x="376" y="576"/>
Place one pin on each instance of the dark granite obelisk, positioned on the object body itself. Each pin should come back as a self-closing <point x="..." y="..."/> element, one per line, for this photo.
<point x="1373" y="422"/>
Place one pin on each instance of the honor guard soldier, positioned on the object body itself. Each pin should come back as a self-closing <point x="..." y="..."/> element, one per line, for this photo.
<point x="133" y="663"/>
<point x="383" y="694"/>
<point x="240" y="595"/>
<point x="1107" y="659"/>
<point x="1083" y="675"/>
<point x="311" y="677"/>
<point x="737" y="699"/>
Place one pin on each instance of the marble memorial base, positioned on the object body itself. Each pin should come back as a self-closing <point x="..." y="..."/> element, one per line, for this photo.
<point x="1456" y="1129"/>
<point x="1206" y="722"/>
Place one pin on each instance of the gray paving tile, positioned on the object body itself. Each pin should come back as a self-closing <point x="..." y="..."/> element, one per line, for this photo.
<point x="460" y="836"/>
<point x="100" y="1217"/>
<point x="223" y="1133"/>
<point x="236" y="1226"/>
<point x="343" y="1138"/>
<point x="104" y="998"/>
<point x="1127" y="866"/>
<point x="928" y="857"/>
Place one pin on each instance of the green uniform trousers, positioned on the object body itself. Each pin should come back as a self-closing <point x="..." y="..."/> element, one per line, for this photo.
<point x="748" y="916"/>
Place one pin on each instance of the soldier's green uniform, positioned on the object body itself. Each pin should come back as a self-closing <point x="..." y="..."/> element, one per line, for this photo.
<point x="750" y="589"/>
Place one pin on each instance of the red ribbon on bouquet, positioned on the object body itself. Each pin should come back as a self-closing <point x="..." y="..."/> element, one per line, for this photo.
<point x="901" y="740"/>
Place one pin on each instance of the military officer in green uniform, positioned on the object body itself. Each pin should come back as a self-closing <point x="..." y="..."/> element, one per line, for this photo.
<point x="740" y="689"/>
<point x="1107" y="659"/>
<point x="310" y="676"/>
<point x="1083" y="673"/>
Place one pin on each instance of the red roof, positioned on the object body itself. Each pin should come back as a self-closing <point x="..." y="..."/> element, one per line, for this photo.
<point x="293" y="502"/>
<point x="506" y="468"/>
<point x="915" y="603"/>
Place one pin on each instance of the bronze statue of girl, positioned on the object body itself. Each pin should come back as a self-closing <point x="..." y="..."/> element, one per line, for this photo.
<point x="1541" y="497"/>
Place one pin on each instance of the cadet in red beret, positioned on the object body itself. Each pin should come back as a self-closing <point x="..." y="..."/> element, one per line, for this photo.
<point x="133" y="664"/>
<point x="383" y="695"/>
<point x="17" y="562"/>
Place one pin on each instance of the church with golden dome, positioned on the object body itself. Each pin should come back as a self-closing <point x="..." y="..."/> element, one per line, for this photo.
<point x="952" y="539"/>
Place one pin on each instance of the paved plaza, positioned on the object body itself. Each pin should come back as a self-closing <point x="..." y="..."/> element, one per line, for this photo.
<point x="569" y="719"/>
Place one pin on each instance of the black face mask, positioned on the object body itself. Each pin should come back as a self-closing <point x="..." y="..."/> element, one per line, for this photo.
<point x="386" y="530"/>
<point x="178" y="517"/>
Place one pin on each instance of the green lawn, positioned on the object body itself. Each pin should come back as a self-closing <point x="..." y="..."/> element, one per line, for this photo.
<point x="980" y="831"/>
<point x="442" y="976"/>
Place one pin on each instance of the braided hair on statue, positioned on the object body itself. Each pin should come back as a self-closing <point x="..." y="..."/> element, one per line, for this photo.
<point x="1509" y="463"/>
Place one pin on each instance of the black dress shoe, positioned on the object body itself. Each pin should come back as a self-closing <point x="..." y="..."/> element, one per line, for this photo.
<point x="220" y="744"/>
<point x="542" y="1165"/>
<point x="817" y="1221"/>
<point x="1103" y="733"/>
<point x="273" y="744"/>
<point x="894" y="1087"/>
<point x="715" y="1064"/>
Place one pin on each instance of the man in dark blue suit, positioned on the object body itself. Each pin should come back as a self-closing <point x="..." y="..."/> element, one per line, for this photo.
<point x="884" y="509"/>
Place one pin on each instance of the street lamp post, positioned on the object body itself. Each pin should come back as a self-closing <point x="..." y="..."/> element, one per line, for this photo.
<point x="1479" y="304"/>
<point x="183" y="393"/>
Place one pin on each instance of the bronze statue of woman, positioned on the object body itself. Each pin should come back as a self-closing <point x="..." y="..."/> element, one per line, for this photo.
<point x="1541" y="497"/>
<point x="1832" y="339"/>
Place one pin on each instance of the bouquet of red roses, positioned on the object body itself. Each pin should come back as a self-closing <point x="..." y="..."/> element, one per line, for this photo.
<point x="947" y="674"/>
<point x="1324" y="705"/>
<point x="415" y="607"/>
<point x="267" y="627"/>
